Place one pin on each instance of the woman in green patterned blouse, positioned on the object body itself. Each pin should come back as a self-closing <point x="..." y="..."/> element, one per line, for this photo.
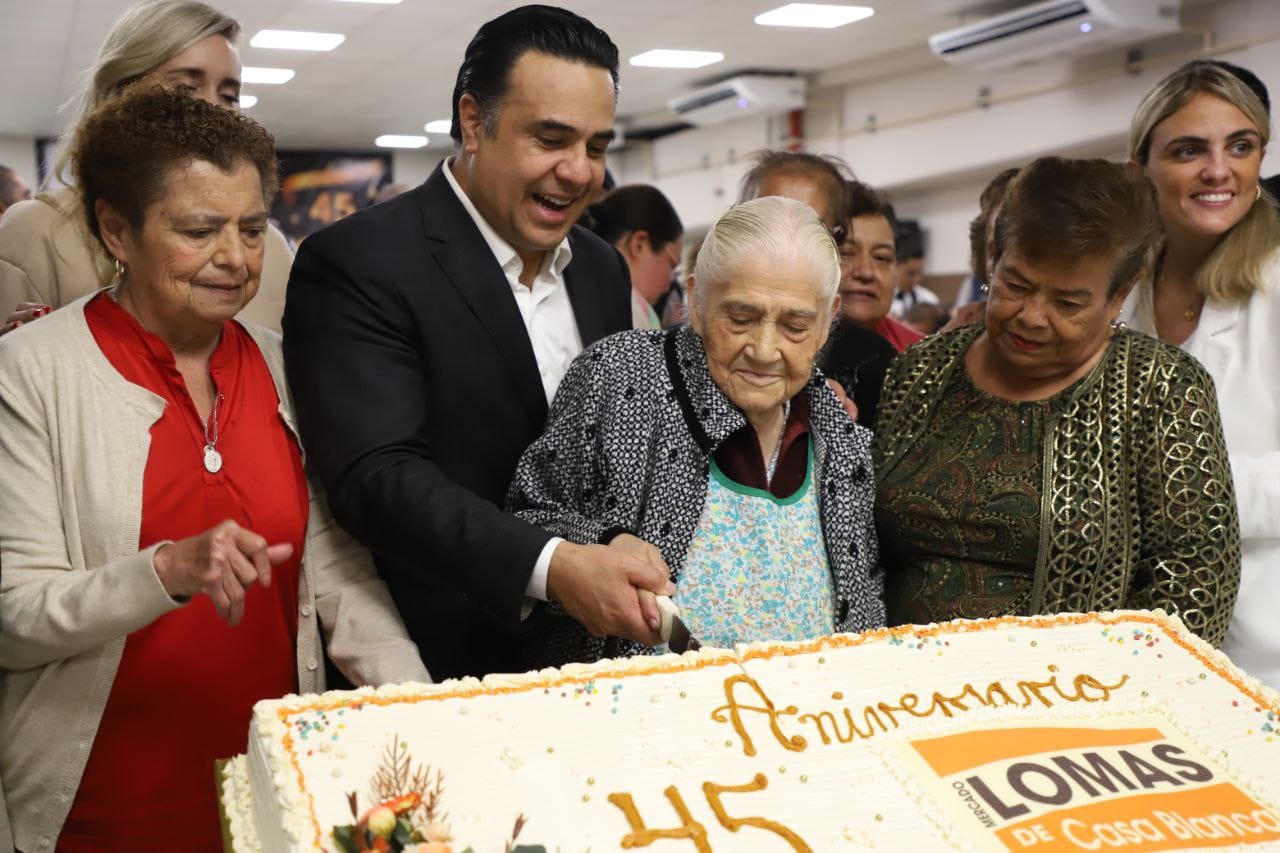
<point x="1047" y="459"/>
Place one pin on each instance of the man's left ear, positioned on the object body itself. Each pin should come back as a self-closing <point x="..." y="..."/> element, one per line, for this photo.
<point x="470" y="122"/>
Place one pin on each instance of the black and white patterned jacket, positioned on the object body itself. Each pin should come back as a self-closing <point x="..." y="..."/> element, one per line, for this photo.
<point x="627" y="447"/>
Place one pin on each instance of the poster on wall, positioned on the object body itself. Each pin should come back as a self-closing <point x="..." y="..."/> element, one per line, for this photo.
<point x="320" y="187"/>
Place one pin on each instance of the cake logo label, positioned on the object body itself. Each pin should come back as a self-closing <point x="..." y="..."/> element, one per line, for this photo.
<point x="1134" y="784"/>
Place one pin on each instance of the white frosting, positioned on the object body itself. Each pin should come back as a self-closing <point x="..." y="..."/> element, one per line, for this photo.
<point x="553" y="745"/>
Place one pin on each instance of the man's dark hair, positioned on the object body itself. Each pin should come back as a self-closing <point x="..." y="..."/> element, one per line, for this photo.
<point x="486" y="67"/>
<point x="910" y="239"/>
<point x="992" y="196"/>
<point x="865" y="201"/>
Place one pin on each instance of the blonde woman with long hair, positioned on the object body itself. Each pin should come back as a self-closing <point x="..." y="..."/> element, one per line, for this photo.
<point x="47" y="257"/>
<point x="1200" y="135"/>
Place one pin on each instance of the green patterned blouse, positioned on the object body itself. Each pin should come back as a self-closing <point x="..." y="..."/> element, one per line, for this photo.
<point x="959" y="516"/>
<point x="1136" y="505"/>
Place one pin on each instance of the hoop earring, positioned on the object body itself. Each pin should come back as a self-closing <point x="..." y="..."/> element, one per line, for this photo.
<point x="1258" y="196"/>
<point x="119" y="270"/>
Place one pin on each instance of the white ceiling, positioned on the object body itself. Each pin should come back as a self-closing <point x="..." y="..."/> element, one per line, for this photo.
<point x="396" y="69"/>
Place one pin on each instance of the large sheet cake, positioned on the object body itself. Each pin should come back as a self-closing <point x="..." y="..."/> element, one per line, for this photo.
<point x="1117" y="731"/>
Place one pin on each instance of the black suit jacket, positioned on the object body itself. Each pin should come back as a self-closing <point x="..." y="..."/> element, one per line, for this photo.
<point x="417" y="390"/>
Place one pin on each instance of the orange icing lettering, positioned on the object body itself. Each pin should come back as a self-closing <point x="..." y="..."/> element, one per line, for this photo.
<point x="642" y="836"/>
<point x="795" y="743"/>
<point x="883" y="715"/>
<point x="733" y="824"/>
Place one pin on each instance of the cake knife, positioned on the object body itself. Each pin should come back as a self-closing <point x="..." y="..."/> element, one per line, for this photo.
<point x="673" y="630"/>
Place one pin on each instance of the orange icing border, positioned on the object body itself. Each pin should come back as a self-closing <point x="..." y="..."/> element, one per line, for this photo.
<point x="836" y="641"/>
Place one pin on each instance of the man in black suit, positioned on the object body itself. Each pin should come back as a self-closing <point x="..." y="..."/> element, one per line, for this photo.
<point x="424" y="338"/>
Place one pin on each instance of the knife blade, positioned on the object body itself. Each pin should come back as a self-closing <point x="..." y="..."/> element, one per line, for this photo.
<point x="674" y="632"/>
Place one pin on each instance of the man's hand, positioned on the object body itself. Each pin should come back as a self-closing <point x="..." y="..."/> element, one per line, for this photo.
<point x="642" y="550"/>
<point x="601" y="586"/>
<point x="221" y="563"/>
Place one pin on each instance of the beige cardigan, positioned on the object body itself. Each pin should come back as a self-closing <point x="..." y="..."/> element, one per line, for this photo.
<point x="47" y="256"/>
<point x="74" y="440"/>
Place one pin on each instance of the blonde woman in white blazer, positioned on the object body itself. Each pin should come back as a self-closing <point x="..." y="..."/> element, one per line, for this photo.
<point x="1200" y="135"/>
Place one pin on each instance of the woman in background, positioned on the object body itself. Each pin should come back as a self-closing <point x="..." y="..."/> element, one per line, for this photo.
<point x="1048" y="460"/>
<point x="643" y="226"/>
<point x="47" y="257"/>
<point x="1199" y="135"/>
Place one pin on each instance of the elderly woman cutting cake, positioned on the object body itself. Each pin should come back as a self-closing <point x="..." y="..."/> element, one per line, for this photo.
<point x="165" y="562"/>
<point x="1048" y="459"/>
<point x="717" y="448"/>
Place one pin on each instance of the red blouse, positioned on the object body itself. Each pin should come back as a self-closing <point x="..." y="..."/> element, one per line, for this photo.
<point x="187" y="682"/>
<point x="898" y="334"/>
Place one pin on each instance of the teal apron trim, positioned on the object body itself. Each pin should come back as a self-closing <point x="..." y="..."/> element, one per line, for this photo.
<point x="729" y="483"/>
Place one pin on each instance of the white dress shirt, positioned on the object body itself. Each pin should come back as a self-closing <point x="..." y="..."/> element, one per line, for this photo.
<point x="548" y="318"/>
<point x="917" y="295"/>
<point x="1239" y="345"/>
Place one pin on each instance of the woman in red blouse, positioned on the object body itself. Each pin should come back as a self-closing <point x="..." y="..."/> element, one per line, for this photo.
<point x="165" y="562"/>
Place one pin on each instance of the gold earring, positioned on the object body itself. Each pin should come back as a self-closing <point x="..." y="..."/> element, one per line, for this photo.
<point x="119" y="270"/>
<point x="1259" y="194"/>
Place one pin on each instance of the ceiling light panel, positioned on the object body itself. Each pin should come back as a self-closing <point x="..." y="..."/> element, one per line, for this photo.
<point x="268" y="76"/>
<point x="440" y="125"/>
<point x="247" y="101"/>
<point x="296" y="40"/>
<point x="663" y="58"/>
<point x="380" y="2"/>
<point x="817" y="15"/>
<point x="392" y="140"/>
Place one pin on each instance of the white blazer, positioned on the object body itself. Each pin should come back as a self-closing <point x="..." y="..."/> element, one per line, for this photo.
<point x="1239" y="344"/>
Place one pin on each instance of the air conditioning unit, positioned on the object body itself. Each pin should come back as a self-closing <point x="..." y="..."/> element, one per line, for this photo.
<point x="1055" y="27"/>
<point x="737" y="97"/>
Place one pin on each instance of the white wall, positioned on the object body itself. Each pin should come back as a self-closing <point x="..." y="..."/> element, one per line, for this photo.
<point x="934" y="148"/>
<point x="19" y="154"/>
<point x="413" y="167"/>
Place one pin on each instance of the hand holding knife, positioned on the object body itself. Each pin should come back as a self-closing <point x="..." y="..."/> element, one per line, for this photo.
<point x="673" y="630"/>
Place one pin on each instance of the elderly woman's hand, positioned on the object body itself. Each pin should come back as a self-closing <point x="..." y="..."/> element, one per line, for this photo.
<point x="221" y="563"/>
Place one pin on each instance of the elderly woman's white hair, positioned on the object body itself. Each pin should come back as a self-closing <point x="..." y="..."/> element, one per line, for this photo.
<point x="781" y="230"/>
